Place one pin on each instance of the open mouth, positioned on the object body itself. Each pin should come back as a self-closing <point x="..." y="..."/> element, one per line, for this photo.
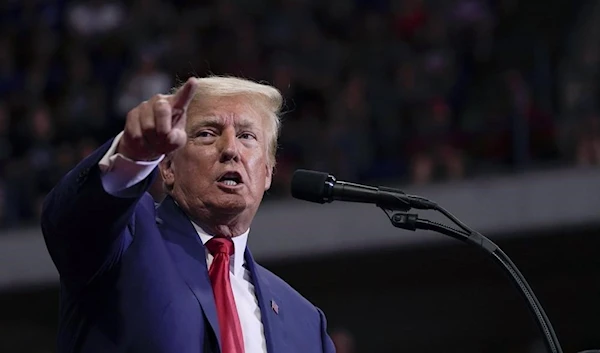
<point x="230" y="179"/>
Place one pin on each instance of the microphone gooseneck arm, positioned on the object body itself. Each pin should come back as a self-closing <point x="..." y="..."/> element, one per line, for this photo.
<point x="412" y="222"/>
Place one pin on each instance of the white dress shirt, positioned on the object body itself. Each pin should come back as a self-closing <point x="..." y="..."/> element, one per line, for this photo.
<point x="119" y="177"/>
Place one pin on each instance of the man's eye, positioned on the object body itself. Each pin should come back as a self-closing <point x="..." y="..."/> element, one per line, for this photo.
<point x="246" y="135"/>
<point x="205" y="133"/>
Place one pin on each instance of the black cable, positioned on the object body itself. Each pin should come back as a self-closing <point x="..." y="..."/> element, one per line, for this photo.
<point x="451" y="217"/>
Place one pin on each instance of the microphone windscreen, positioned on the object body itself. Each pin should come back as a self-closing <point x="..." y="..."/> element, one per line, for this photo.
<point x="309" y="185"/>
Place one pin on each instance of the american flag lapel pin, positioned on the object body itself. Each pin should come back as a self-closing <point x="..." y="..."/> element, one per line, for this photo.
<point x="274" y="306"/>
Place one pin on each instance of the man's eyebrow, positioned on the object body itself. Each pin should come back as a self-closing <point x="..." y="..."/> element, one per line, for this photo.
<point x="245" y="124"/>
<point x="208" y="121"/>
<point x="215" y="121"/>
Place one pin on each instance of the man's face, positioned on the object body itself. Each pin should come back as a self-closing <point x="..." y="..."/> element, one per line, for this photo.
<point x="223" y="171"/>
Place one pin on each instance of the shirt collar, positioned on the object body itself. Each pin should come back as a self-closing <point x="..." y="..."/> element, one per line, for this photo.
<point x="239" y="246"/>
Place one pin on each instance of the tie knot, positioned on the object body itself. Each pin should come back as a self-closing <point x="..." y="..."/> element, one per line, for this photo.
<point x="220" y="246"/>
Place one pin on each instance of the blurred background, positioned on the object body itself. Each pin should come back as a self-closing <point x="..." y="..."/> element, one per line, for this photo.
<point x="489" y="107"/>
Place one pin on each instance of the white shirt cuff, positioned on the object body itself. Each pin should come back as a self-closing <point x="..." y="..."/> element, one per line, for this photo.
<point x="120" y="175"/>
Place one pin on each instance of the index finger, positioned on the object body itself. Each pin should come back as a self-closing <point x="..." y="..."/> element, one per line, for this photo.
<point x="181" y="100"/>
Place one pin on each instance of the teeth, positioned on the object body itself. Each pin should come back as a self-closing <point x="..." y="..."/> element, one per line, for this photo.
<point x="230" y="182"/>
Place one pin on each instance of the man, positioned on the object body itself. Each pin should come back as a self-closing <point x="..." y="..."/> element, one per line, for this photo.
<point x="177" y="278"/>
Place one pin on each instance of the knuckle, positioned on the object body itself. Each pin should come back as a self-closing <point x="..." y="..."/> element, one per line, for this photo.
<point x="147" y="118"/>
<point x="161" y="105"/>
<point x="132" y="114"/>
<point x="144" y="106"/>
<point x="146" y="128"/>
<point x="155" y="98"/>
<point x="161" y="132"/>
<point x="147" y="122"/>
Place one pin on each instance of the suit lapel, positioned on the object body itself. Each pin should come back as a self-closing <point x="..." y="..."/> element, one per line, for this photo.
<point x="272" y="309"/>
<point x="189" y="257"/>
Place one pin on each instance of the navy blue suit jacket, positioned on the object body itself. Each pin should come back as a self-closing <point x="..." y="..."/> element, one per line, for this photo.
<point x="134" y="278"/>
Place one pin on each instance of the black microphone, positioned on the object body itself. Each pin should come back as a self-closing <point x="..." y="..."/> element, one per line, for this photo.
<point x="322" y="187"/>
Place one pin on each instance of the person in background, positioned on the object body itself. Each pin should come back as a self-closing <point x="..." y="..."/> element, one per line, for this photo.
<point x="343" y="341"/>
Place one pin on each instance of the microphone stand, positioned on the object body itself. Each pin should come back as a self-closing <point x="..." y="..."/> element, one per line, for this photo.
<point x="410" y="221"/>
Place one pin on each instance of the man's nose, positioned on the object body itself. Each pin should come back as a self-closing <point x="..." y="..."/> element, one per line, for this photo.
<point x="229" y="146"/>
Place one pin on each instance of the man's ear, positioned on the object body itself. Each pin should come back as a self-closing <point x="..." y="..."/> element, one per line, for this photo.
<point x="166" y="171"/>
<point x="269" y="176"/>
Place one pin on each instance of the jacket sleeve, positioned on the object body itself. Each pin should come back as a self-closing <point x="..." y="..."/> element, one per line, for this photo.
<point x="326" y="341"/>
<point x="85" y="228"/>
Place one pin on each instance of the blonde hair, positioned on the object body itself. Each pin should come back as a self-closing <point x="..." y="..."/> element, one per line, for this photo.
<point x="259" y="95"/>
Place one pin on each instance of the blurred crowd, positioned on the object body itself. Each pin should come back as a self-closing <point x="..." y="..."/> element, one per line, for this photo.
<point x="405" y="90"/>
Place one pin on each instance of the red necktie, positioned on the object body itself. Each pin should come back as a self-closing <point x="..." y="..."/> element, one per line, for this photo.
<point x="232" y="340"/>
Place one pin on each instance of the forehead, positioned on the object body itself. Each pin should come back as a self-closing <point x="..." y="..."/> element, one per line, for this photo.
<point x="226" y="111"/>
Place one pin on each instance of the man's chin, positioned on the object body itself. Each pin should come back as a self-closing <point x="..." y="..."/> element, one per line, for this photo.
<point x="229" y="205"/>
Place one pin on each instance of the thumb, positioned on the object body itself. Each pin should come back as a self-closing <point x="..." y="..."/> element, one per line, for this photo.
<point x="177" y="137"/>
